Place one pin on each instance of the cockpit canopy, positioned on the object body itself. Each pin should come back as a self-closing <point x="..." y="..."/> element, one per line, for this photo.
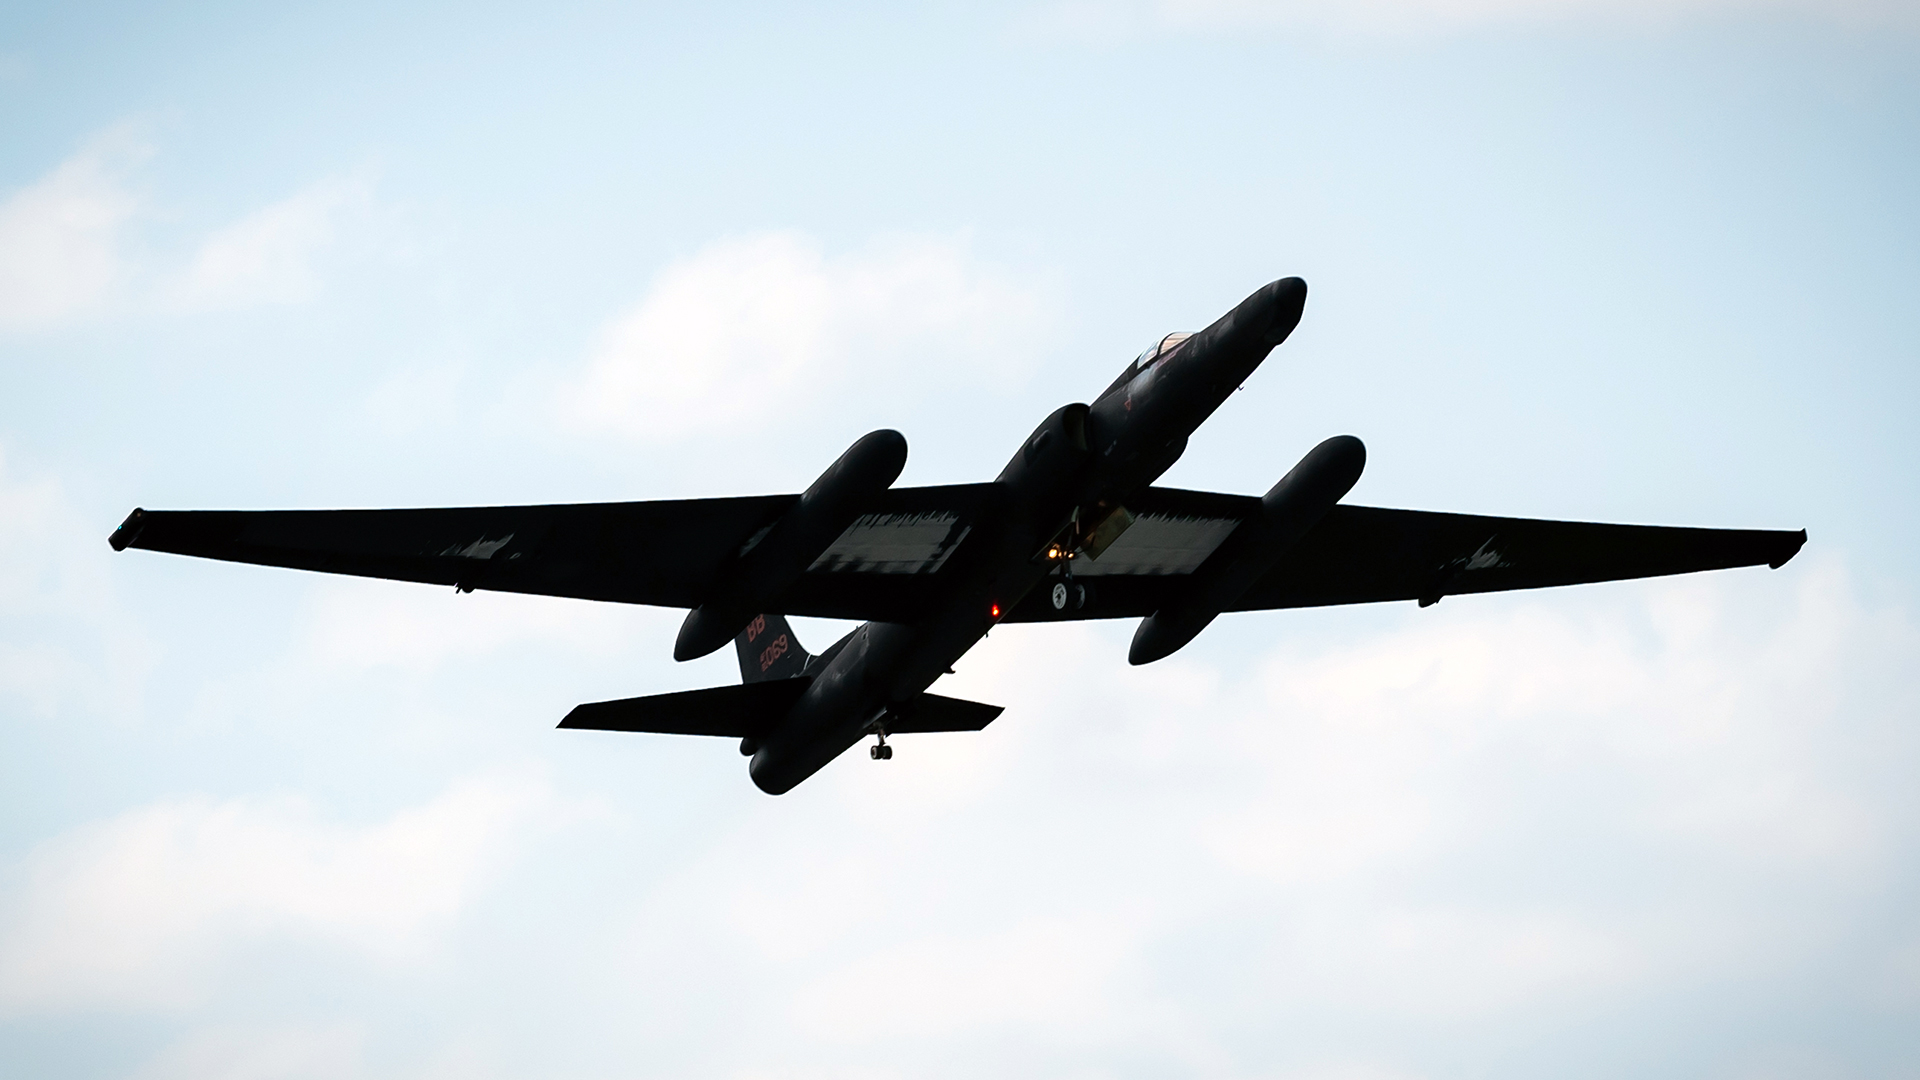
<point x="1145" y="361"/>
<point x="1164" y="346"/>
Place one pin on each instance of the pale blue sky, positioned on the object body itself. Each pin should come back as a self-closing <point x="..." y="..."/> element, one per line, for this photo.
<point x="1637" y="262"/>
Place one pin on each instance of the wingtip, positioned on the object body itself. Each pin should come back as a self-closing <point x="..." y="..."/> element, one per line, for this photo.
<point x="1799" y="542"/>
<point x="129" y="530"/>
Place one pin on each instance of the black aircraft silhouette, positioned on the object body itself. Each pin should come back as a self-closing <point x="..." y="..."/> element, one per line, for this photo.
<point x="1073" y="528"/>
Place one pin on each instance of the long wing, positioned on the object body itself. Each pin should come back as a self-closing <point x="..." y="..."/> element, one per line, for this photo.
<point x="1363" y="554"/>
<point x="888" y="564"/>
<point x="666" y="553"/>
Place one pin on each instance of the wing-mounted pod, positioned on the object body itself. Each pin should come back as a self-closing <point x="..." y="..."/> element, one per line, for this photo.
<point x="1295" y="505"/>
<point x="850" y="487"/>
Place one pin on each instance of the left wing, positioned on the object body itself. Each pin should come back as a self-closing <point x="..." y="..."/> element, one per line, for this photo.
<point x="1364" y="554"/>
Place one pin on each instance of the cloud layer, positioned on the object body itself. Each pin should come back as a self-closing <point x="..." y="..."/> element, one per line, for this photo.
<point x="141" y="910"/>
<point x="1102" y="19"/>
<point x="266" y="824"/>
<point x="1480" y="819"/>
<point x="269" y="255"/>
<point x="66" y="250"/>
<point x="60" y="249"/>
<point x="1481" y="823"/>
<point x="750" y="325"/>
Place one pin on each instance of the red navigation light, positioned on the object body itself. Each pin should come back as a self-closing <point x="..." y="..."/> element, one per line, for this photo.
<point x="994" y="611"/>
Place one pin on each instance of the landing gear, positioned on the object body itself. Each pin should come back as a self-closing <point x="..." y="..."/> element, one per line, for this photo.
<point x="880" y="751"/>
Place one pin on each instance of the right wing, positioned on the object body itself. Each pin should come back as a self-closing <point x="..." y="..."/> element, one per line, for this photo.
<point x="668" y="553"/>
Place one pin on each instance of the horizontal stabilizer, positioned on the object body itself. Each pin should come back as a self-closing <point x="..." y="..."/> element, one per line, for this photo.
<point x="736" y="712"/>
<point x="931" y="712"/>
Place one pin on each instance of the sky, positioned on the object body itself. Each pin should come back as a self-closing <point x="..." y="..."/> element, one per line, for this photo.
<point x="1639" y="261"/>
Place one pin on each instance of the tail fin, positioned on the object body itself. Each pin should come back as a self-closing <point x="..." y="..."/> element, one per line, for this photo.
<point x="769" y="650"/>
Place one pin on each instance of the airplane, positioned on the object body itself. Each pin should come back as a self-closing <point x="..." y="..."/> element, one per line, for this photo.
<point x="1073" y="528"/>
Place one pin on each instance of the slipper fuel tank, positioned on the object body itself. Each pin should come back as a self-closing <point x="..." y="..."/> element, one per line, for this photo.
<point x="850" y="487"/>
<point x="1294" y="506"/>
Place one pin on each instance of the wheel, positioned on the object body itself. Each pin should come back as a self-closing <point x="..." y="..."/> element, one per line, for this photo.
<point x="1079" y="597"/>
<point x="1060" y="596"/>
<point x="886" y="752"/>
<point x="874" y="752"/>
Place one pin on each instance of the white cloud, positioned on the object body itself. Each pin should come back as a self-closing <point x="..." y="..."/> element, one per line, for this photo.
<point x="140" y="910"/>
<point x="64" y="640"/>
<point x="60" y="237"/>
<point x="1506" y="806"/>
<point x="749" y="325"/>
<point x="1483" y="817"/>
<point x="272" y="1052"/>
<point x="367" y="624"/>
<point x="1063" y="976"/>
<point x="62" y="241"/>
<point x="1350" y="1070"/>
<point x="1708" y="734"/>
<point x="1106" y="19"/>
<point x="269" y="256"/>
<point x="1718" y="744"/>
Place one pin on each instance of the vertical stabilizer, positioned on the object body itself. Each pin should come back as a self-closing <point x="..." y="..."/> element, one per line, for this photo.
<point x="769" y="650"/>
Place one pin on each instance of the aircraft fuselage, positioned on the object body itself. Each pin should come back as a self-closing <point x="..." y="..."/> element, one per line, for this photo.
<point x="1063" y="495"/>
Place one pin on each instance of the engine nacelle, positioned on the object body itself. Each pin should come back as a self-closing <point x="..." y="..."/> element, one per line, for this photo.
<point x="850" y="487"/>
<point x="1295" y="505"/>
<point x="1051" y="459"/>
